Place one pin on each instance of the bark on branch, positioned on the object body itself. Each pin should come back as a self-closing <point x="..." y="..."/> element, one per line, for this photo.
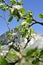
<point x="35" y="22"/>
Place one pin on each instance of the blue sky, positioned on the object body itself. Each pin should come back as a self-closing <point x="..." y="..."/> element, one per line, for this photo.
<point x="36" y="6"/>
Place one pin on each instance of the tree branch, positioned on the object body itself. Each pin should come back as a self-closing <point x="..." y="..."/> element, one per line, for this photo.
<point x="28" y="40"/>
<point x="41" y="23"/>
<point x="27" y="43"/>
<point x="35" y="22"/>
<point x="32" y="24"/>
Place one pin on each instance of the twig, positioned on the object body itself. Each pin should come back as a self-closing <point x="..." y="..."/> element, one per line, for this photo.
<point x="31" y="24"/>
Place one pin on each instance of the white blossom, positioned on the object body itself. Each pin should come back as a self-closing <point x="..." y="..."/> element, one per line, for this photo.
<point x="17" y="7"/>
<point x="10" y="44"/>
<point x="3" y="53"/>
<point x="14" y="34"/>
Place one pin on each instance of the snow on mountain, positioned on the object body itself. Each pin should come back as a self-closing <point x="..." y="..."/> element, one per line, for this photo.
<point x="36" y="41"/>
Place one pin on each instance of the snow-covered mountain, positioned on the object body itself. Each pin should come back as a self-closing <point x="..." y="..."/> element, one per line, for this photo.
<point x="36" y="41"/>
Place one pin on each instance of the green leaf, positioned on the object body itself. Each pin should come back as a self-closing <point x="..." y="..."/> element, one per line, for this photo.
<point x="19" y="3"/>
<point x="13" y="2"/>
<point x="41" y="16"/>
<point x="29" y="20"/>
<point x="12" y="56"/>
<point x="17" y="28"/>
<point x="24" y="33"/>
<point x="35" y="62"/>
<point x="31" y="31"/>
<point x="10" y="19"/>
<point x="30" y="52"/>
<point x="28" y="14"/>
<point x="3" y="61"/>
<point x="10" y="34"/>
<point x="37" y="53"/>
<point x="41" y="54"/>
<point x="22" y="10"/>
<point x="3" y="7"/>
<point x="16" y="13"/>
